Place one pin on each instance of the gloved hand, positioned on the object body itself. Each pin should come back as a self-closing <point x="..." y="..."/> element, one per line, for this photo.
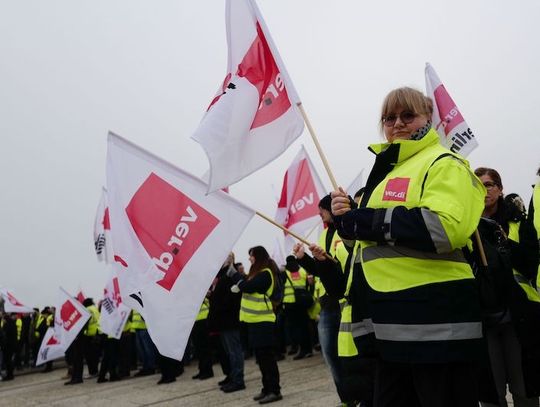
<point x="515" y="207"/>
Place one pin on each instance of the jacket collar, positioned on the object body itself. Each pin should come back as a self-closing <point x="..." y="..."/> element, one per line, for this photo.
<point x="407" y="148"/>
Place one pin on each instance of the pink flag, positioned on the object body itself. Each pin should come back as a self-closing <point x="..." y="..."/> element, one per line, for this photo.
<point x="454" y="132"/>
<point x="254" y="117"/>
<point x="169" y="239"/>
<point x="50" y="348"/>
<point x="114" y="313"/>
<point x="102" y="230"/>
<point x="298" y="207"/>
<point x="80" y="296"/>
<point x="12" y="304"/>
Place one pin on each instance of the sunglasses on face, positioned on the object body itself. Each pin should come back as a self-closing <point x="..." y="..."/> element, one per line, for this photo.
<point x="406" y="117"/>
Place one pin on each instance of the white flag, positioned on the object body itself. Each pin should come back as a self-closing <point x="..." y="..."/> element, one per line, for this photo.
<point x="12" y="304"/>
<point x="454" y="132"/>
<point x="102" y="229"/>
<point x="50" y="348"/>
<point x="169" y="239"/>
<point x="356" y="183"/>
<point x="114" y="313"/>
<point x="298" y="207"/>
<point x="277" y="253"/>
<point x="254" y="117"/>
<point x="69" y="318"/>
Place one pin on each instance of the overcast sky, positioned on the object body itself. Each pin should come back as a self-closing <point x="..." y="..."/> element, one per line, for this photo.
<point x="72" y="70"/>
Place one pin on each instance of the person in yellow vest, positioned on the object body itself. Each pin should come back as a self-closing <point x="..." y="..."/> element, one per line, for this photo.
<point x="512" y="329"/>
<point x="146" y="350"/>
<point x="296" y="314"/>
<point x="201" y="342"/>
<point x="330" y="313"/>
<point x="420" y="207"/>
<point x="534" y="218"/>
<point x="91" y="339"/>
<point x="8" y="344"/>
<point x="257" y="312"/>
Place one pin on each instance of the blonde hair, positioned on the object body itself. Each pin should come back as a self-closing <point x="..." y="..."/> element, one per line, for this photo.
<point x="407" y="99"/>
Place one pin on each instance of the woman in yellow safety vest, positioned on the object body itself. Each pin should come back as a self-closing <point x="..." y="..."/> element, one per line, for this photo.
<point x="420" y="206"/>
<point x="512" y="329"/>
<point x="257" y="312"/>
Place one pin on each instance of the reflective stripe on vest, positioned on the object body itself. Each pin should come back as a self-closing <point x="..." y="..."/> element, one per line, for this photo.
<point x="524" y="283"/>
<point x="536" y="222"/>
<point x="428" y="332"/>
<point x="257" y="307"/>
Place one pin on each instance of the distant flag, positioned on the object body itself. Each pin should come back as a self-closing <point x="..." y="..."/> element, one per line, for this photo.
<point x="12" y="304"/>
<point x="169" y="239"/>
<point x="277" y="253"/>
<point x="254" y="117"/>
<point x="356" y="183"/>
<point x="102" y="230"/>
<point x="80" y="296"/>
<point x="298" y="207"/>
<point x="114" y="313"/>
<point x="453" y="130"/>
<point x="69" y="319"/>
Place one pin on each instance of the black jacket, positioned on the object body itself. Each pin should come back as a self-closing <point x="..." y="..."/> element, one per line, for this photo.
<point x="224" y="305"/>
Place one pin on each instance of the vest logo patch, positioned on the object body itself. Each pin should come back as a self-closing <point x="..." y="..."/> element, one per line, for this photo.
<point x="396" y="189"/>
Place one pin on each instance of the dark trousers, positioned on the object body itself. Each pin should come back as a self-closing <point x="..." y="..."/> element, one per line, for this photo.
<point x="91" y="353"/>
<point x="76" y="351"/>
<point x="124" y="354"/>
<point x="233" y="348"/>
<point x="358" y="379"/>
<point x="109" y="363"/>
<point x="8" y="353"/>
<point x="170" y="368"/>
<point x="297" y="325"/>
<point x="426" y="385"/>
<point x="269" y="369"/>
<point x="201" y="342"/>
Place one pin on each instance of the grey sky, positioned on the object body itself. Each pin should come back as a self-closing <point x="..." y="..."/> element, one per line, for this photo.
<point x="72" y="70"/>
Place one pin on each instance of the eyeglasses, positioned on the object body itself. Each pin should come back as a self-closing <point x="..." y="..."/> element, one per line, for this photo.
<point x="406" y="117"/>
<point x="490" y="185"/>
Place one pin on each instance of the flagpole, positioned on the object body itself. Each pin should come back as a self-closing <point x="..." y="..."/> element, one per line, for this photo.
<point x="301" y="239"/>
<point x="318" y="146"/>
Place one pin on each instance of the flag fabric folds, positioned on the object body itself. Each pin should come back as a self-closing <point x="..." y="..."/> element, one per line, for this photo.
<point x="102" y="228"/>
<point x="12" y="304"/>
<point x="298" y="206"/>
<point x="70" y="318"/>
<point x="114" y="313"/>
<point x="254" y="117"/>
<point x="169" y="239"/>
<point x="454" y="132"/>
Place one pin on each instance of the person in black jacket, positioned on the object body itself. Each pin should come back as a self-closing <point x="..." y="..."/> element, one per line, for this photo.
<point x="9" y="344"/>
<point x="223" y="318"/>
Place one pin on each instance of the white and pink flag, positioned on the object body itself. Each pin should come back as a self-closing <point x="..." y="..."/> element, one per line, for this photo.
<point x="169" y="239"/>
<point x="50" y="348"/>
<point x="114" y="313"/>
<point x="102" y="230"/>
<point x="454" y="132"/>
<point x="254" y="117"/>
<point x="12" y="304"/>
<point x="69" y="318"/>
<point x="298" y="207"/>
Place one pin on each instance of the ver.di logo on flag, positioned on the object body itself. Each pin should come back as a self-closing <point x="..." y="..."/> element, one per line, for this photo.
<point x="396" y="189"/>
<point x="69" y="314"/>
<point x="169" y="225"/>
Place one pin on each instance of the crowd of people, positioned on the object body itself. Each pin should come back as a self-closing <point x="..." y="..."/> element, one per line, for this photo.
<point x="421" y="291"/>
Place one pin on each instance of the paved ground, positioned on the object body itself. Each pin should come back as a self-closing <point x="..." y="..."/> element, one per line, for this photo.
<point x="304" y="383"/>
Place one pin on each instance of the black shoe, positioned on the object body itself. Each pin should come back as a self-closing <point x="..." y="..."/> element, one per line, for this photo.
<point x="259" y="396"/>
<point x="270" y="398"/>
<point x="196" y="376"/>
<point x="7" y="378"/>
<point x="224" y="382"/>
<point x="232" y="387"/>
<point x="47" y="370"/>
<point x="167" y="380"/>
<point x="115" y="378"/>
<point x="143" y="372"/>
<point x="179" y="372"/>
<point x="309" y="354"/>
<point x="102" y="380"/>
<point x="280" y="356"/>
<point x="204" y="376"/>
<point x="73" y="382"/>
